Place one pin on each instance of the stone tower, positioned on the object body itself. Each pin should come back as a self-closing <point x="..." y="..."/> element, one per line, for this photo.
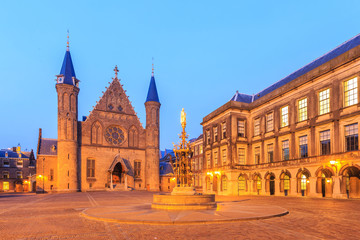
<point x="152" y="106"/>
<point x="67" y="87"/>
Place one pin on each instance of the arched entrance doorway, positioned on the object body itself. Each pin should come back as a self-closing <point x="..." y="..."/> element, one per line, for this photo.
<point x="324" y="182"/>
<point x="117" y="174"/>
<point x="257" y="183"/>
<point x="242" y="185"/>
<point x="303" y="182"/>
<point x="351" y="182"/>
<point x="285" y="182"/>
<point x="270" y="183"/>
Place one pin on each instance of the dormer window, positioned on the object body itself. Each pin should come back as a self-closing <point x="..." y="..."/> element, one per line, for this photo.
<point x="120" y="108"/>
<point x="6" y="163"/>
<point x="111" y="107"/>
<point x="53" y="148"/>
<point x="6" y="154"/>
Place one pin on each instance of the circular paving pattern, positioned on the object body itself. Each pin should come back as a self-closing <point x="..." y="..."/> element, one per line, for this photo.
<point x="144" y="214"/>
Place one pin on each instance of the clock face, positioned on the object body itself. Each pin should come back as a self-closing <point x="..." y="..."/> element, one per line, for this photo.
<point x="60" y="80"/>
<point x="114" y="135"/>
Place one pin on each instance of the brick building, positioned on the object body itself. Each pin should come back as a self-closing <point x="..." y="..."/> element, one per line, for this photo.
<point x="108" y="149"/>
<point x="298" y="137"/>
<point x="16" y="168"/>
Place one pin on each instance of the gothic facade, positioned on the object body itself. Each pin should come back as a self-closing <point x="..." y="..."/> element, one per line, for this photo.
<point x="108" y="149"/>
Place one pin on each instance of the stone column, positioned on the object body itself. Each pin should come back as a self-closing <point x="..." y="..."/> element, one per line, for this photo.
<point x="277" y="188"/>
<point x="111" y="182"/>
<point x="293" y="187"/>
<point x="262" y="191"/>
<point x="336" y="187"/>
<point x="312" y="184"/>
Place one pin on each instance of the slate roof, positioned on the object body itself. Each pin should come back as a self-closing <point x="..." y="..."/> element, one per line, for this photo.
<point x="152" y="93"/>
<point x="48" y="146"/>
<point x="346" y="46"/>
<point x="166" y="168"/>
<point x="67" y="69"/>
<point x="12" y="154"/>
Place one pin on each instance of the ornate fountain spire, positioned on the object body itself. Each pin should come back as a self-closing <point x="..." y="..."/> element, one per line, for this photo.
<point x="152" y="69"/>
<point x="67" y="42"/>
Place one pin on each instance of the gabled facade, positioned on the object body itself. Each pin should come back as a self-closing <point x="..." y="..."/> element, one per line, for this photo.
<point x="109" y="149"/>
<point x="298" y="137"/>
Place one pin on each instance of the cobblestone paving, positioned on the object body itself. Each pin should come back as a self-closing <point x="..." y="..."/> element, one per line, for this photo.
<point x="57" y="216"/>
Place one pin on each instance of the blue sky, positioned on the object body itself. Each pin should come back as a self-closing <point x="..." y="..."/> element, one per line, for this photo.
<point x="204" y="51"/>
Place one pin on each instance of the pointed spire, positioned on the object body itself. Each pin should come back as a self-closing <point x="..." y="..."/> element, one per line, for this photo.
<point x="152" y="93"/>
<point x="67" y="69"/>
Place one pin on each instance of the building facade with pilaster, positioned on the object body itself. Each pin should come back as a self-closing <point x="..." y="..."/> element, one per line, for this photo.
<point x="298" y="137"/>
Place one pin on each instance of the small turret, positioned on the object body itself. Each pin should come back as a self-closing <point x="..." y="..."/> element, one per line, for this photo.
<point x="152" y="106"/>
<point x="67" y="88"/>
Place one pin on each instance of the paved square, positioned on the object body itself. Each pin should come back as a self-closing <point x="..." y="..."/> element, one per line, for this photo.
<point x="57" y="216"/>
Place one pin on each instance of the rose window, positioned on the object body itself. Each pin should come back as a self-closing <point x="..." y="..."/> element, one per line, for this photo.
<point x="114" y="135"/>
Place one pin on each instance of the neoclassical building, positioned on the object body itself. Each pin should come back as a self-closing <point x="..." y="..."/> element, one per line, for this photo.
<point x="297" y="137"/>
<point x="108" y="149"/>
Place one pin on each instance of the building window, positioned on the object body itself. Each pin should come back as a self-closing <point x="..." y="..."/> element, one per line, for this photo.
<point x="257" y="127"/>
<point x="193" y="164"/>
<point x="286" y="182"/>
<point x="302" y="107"/>
<point x="241" y="156"/>
<point x="196" y="150"/>
<point x="137" y="169"/>
<point x="284" y="111"/>
<point x="224" y="157"/>
<point x="257" y="155"/>
<point x="196" y="164"/>
<point x="350" y="92"/>
<point x="6" y="163"/>
<point x="215" y="130"/>
<point x="208" y="161"/>
<point x="200" y="163"/>
<point x="325" y="142"/>
<point x="201" y="149"/>
<point x="303" y="182"/>
<point x="269" y="122"/>
<point x="19" y="163"/>
<point x="324" y="101"/>
<point x="224" y="183"/>
<point x="241" y="128"/>
<point x="270" y="153"/>
<point x="90" y="166"/>
<point x="303" y="146"/>
<point x="19" y="175"/>
<point x="51" y="177"/>
<point x="215" y="159"/>
<point x="6" y="175"/>
<point x="208" y="137"/>
<point x="223" y="129"/>
<point x="242" y="183"/>
<point x="285" y="150"/>
<point x="351" y="137"/>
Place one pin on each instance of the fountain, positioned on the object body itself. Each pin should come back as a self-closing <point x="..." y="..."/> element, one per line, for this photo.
<point x="184" y="195"/>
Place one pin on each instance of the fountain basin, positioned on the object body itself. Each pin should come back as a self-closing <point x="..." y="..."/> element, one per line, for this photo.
<point x="183" y="202"/>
